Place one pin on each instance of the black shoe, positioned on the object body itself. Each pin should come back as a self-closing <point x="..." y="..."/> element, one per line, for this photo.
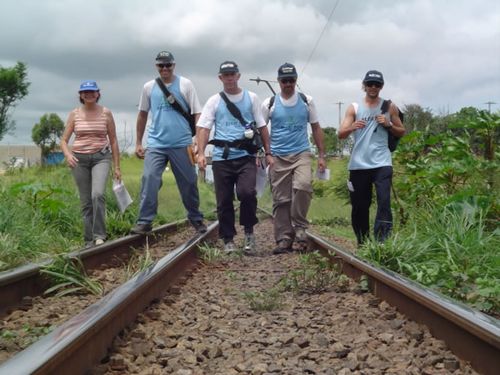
<point x="199" y="226"/>
<point x="284" y="246"/>
<point x="141" y="229"/>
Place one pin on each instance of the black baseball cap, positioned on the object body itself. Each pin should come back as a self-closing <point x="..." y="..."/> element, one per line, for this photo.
<point x="164" y="57"/>
<point x="228" y="67"/>
<point x="287" y="70"/>
<point x="374" y="76"/>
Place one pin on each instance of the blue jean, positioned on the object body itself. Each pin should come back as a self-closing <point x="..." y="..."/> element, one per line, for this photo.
<point x="155" y="162"/>
<point x="91" y="174"/>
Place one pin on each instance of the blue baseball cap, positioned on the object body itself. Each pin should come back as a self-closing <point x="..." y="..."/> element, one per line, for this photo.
<point x="88" y="86"/>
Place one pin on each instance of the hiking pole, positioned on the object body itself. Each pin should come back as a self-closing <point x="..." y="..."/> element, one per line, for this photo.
<point x="259" y="80"/>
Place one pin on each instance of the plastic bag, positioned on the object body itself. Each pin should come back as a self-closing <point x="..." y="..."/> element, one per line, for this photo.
<point x="122" y="196"/>
<point x="261" y="180"/>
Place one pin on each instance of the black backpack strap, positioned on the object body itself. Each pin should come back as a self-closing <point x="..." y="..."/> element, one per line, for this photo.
<point x="235" y="111"/>
<point x="304" y="98"/>
<point x="386" y="104"/>
<point x="271" y="102"/>
<point x="172" y="100"/>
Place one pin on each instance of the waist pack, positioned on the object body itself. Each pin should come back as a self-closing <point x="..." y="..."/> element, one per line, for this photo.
<point x="250" y="145"/>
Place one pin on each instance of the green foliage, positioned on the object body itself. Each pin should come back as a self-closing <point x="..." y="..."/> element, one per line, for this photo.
<point x="449" y="249"/>
<point x="267" y="300"/>
<point x="47" y="132"/>
<point x="314" y="275"/>
<point x="139" y="262"/>
<point x="13" y="87"/>
<point x="210" y="253"/>
<point x="330" y="141"/>
<point x="69" y="276"/>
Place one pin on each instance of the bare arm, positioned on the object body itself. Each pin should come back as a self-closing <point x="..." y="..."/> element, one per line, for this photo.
<point x="266" y="141"/>
<point x="349" y="123"/>
<point x="202" y="135"/>
<point x="318" y="137"/>
<point x="142" y="119"/>
<point x="397" y="127"/>
<point x="71" y="160"/>
<point x="115" y="150"/>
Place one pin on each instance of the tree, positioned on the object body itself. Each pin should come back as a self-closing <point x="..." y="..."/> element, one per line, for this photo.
<point x="13" y="87"/>
<point x="330" y="140"/>
<point x="417" y="118"/>
<point x="47" y="132"/>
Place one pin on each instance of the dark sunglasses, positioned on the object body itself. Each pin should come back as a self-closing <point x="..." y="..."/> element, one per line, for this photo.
<point x="161" y="66"/>
<point x="373" y="84"/>
<point x="288" y="80"/>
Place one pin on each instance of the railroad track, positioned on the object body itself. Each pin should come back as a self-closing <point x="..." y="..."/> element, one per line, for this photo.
<point x="84" y="340"/>
<point x="26" y="281"/>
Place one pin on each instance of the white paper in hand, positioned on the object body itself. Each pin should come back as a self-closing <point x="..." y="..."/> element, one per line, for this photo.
<point x="122" y="196"/>
<point x="261" y="180"/>
<point x="325" y="175"/>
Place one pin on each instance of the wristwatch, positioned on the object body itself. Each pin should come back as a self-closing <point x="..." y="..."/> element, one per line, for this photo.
<point x="269" y="154"/>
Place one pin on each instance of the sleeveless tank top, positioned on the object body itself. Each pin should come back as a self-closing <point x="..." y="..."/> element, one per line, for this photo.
<point x="91" y="134"/>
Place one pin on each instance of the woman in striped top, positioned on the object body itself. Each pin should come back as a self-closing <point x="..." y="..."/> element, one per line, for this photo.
<point x="94" y="148"/>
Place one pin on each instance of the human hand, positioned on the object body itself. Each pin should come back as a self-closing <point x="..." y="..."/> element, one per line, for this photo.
<point x="321" y="164"/>
<point x="359" y="124"/>
<point x="139" y="152"/>
<point x="71" y="160"/>
<point x="118" y="174"/>
<point x="382" y="120"/>
<point x="202" y="162"/>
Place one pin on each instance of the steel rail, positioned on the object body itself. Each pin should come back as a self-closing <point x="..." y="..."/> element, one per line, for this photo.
<point x="82" y="341"/>
<point x="470" y="334"/>
<point x="26" y="280"/>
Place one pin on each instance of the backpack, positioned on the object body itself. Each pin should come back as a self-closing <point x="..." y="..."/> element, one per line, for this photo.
<point x="301" y="94"/>
<point x="392" y="140"/>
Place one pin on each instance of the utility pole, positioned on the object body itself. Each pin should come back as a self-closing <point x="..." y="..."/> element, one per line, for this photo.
<point x="489" y="105"/>
<point x="259" y="80"/>
<point x="339" y="103"/>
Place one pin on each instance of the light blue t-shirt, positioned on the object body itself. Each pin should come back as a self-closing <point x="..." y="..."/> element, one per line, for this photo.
<point x="168" y="129"/>
<point x="289" y="128"/>
<point x="228" y="128"/>
<point x="370" y="143"/>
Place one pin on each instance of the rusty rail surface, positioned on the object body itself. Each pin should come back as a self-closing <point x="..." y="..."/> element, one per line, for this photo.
<point x="81" y="342"/>
<point x="27" y="281"/>
<point x="470" y="334"/>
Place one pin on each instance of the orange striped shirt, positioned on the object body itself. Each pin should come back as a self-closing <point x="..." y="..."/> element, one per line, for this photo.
<point x="91" y="134"/>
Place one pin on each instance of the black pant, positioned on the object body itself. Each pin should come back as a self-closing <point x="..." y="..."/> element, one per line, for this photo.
<point x="242" y="173"/>
<point x="361" y="199"/>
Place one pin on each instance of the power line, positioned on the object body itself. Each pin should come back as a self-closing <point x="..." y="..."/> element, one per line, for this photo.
<point x="320" y="35"/>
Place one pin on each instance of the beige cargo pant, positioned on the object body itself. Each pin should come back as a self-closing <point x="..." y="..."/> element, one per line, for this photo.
<point x="291" y="187"/>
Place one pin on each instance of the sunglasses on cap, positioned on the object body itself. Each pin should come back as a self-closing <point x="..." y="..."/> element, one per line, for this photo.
<point x="373" y="84"/>
<point x="288" y="80"/>
<point x="168" y="65"/>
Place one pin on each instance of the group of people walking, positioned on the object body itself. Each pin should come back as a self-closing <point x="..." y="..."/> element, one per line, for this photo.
<point x="239" y="123"/>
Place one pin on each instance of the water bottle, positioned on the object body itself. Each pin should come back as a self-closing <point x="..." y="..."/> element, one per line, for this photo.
<point x="248" y="131"/>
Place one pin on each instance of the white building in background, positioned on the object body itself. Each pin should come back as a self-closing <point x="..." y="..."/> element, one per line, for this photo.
<point x="19" y="156"/>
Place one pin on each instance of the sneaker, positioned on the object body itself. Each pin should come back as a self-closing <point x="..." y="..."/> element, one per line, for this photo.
<point x="301" y="239"/>
<point x="99" y="241"/>
<point x="199" y="226"/>
<point x="284" y="246"/>
<point x="229" y="247"/>
<point x="141" y="228"/>
<point x="249" y="247"/>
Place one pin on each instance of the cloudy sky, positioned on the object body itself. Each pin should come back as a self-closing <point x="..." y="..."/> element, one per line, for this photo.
<point x="440" y="54"/>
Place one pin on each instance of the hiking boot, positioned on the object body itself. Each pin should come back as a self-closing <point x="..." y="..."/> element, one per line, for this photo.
<point x="229" y="247"/>
<point x="249" y="247"/>
<point x="284" y="246"/>
<point x="99" y="241"/>
<point x="301" y="239"/>
<point x="199" y="226"/>
<point x="141" y="229"/>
